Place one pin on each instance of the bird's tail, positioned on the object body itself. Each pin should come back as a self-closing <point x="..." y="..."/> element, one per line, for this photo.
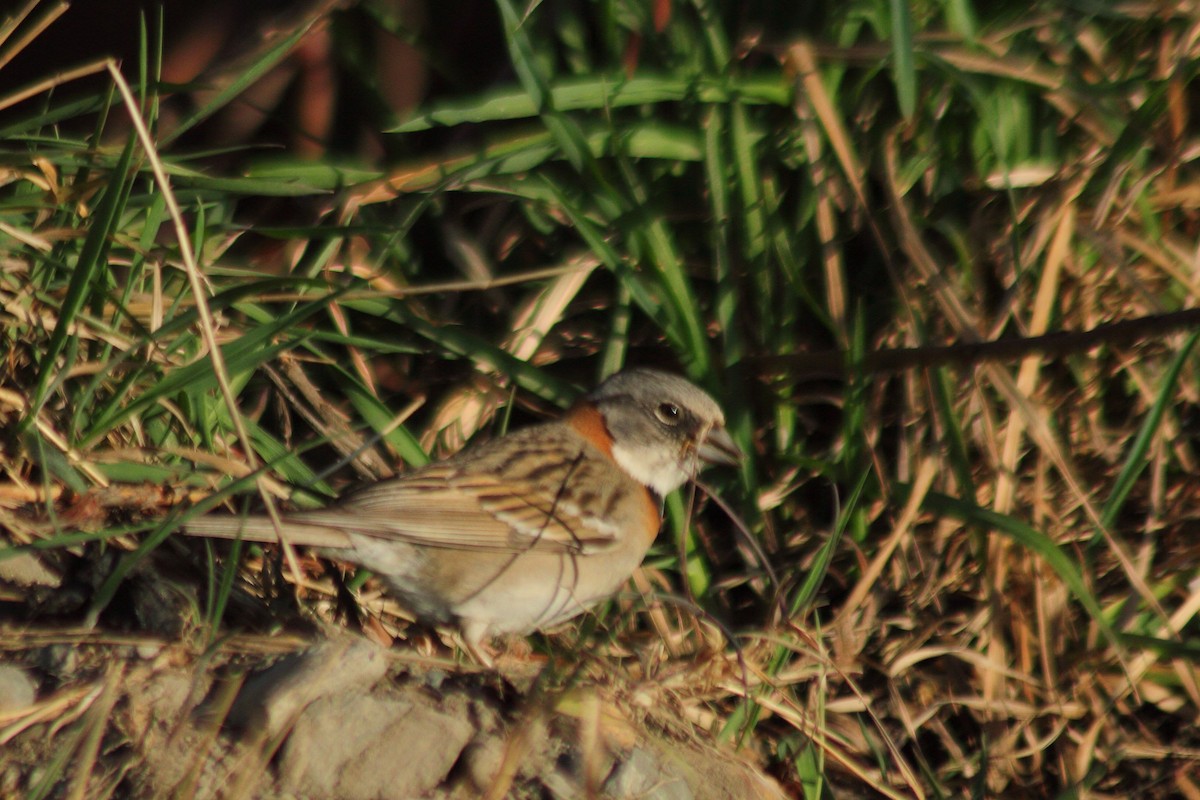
<point x="262" y="529"/>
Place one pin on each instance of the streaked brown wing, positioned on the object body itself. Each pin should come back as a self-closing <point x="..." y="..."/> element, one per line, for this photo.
<point x="441" y="507"/>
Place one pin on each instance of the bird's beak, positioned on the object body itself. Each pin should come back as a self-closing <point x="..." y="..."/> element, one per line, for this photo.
<point x="718" y="448"/>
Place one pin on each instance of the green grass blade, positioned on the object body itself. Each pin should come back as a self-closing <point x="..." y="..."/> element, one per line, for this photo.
<point x="246" y="78"/>
<point x="1135" y="460"/>
<point x="603" y="92"/>
<point x="904" y="71"/>
<point x="248" y="352"/>
<point x="90" y="269"/>
<point x="1033" y="540"/>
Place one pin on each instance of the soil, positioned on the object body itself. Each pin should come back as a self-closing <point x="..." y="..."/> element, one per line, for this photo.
<point x="340" y="718"/>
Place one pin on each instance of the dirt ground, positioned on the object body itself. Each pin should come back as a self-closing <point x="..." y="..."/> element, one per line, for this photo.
<point x="340" y="718"/>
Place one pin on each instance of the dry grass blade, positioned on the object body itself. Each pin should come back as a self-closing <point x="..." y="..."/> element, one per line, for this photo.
<point x="464" y="412"/>
<point x="331" y="421"/>
<point x="998" y="549"/>
<point x="1048" y="289"/>
<point x="43" y="86"/>
<point x="926" y="473"/>
<point x="46" y="429"/>
<point x="59" y="709"/>
<point x="839" y="755"/>
<point x="802" y="59"/>
<point x="200" y="293"/>
<point x="967" y="327"/>
<point x="95" y="722"/>
<point x="12" y="23"/>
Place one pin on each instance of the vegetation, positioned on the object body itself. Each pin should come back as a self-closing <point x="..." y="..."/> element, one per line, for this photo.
<point x="948" y="572"/>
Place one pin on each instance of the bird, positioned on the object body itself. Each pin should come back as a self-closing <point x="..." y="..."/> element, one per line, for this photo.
<point x="529" y="529"/>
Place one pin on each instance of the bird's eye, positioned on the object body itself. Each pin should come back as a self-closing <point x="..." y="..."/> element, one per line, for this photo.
<point x="668" y="414"/>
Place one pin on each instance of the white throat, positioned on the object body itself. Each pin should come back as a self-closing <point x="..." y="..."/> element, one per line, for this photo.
<point x="662" y="472"/>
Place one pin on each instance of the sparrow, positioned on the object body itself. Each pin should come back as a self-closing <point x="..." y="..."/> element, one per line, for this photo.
<point x="529" y="529"/>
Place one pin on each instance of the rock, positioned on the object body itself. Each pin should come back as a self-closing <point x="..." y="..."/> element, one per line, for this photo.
<point x="704" y="771"/>
<point x="26" y="569"/>
<point x="17" y="689"/>
<point x="482" y="762"/>
<point x="642" y="776"/>
<point x="272" y="699"/>
<point x="371" y="747"/>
